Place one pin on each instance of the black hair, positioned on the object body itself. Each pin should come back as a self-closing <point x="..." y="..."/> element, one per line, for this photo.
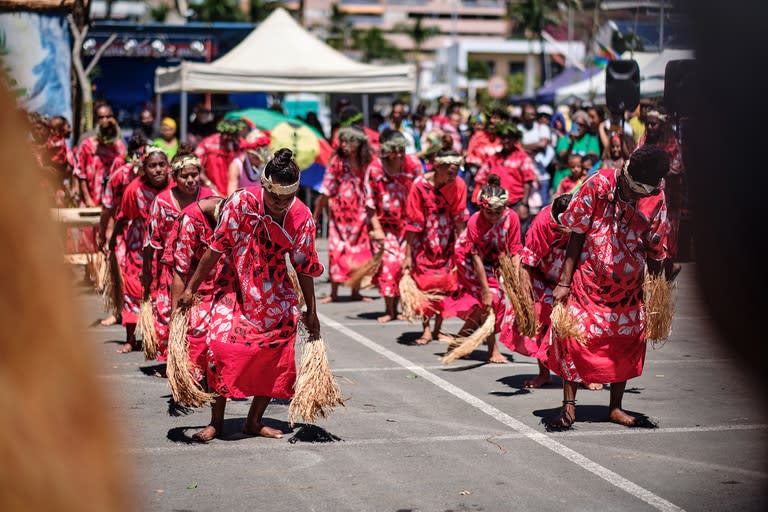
<point x="389" y="134"/>
<point x="500" y="113"/>
<point x="493" y="187"/>
<point x="446" y="152"/>
<point x="282" y="168"/>
<point x="347" y="113"/>
<point x="137" y="141"/>
<point x="560" y="204"/>
<point x="648" y="164"/>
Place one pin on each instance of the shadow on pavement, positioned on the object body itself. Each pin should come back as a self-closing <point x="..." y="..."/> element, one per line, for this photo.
<point x="313" y="434"/>
<point x="595" y="414"/>
<point x="518" y="381"/>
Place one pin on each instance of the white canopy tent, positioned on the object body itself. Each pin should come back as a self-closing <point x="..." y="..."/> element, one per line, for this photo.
<point x="281" y="56"/>
<point x="652" y="66"/>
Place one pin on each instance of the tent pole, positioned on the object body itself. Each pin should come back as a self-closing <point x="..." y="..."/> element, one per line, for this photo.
<point x="158" y="110"/>
<point x="184" y="117"/>
<point x="366" y="116"/>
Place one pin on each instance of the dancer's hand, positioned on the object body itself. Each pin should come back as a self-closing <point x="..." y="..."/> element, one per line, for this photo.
<point x="312" y="324"/>
<point x="561" y="293"/>
<point x="185" y="300"/>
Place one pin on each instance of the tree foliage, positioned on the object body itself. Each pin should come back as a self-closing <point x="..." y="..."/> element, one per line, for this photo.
<point x="217" y="10"/>
<point x="373" y="46"/>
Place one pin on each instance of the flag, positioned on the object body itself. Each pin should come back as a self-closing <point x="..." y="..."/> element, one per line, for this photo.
<point x="604" y="55"/>
<point x="606" y="52"/>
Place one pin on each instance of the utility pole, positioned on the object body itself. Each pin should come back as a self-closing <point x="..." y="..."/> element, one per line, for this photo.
<point x="661" y="27"/>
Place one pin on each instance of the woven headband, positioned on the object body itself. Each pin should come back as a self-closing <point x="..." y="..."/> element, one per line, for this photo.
<point x="635" y="186"/>
<point x="395" y="143"/>
<point x="350" y="133"/>
<point x="281" y="190"/>
<point x="187" y="160"/>
<point x="493" y="202"/>
<point x="656" y="113"/>
<point x="448" y="159"/>
<point x="150" y="150"/>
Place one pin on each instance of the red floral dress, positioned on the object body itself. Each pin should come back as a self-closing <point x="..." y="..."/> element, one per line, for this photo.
<point x="432" y="214"/>
<point x="112" y="198"/>
<point x="94" y="164"/>
<point x="348" y="243"/>
<point x="190" y="244"/>
<point x="544" y="253"/>
<point x="488" y="241"/>
<point x="607" y="288"/>
<point x="135" y="209"/>
<point x="387" y="194"/>
<point x="163" y="215"/>
<point x="215" y="160"/>
<point x="514" y="170"/>
<point x="255" y="317"/>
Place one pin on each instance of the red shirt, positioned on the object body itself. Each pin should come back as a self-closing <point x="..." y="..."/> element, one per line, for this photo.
<point x="514" y="169"/>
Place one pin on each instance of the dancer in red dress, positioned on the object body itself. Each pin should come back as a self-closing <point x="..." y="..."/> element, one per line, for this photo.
<point x="515" y="168"/>
<point x="614" y="236"/>
<point x="256" y="314"/>
<point x="343" y="195"/>
<point x="165" y="211"/>
<point x="542" y="257"/>
<point x="658" y="131"/>
<point x="195" y="231"/>
<point x="436" y="213"/>
<point x="132" y="223"/>
<point x="95" y="158"/>
<point x="491" y="232"/>
<point x="216" y="152"/>
<point x="389" y="180"/>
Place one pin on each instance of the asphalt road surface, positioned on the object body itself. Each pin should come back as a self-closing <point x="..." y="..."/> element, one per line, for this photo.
<point x="419" y="436"/>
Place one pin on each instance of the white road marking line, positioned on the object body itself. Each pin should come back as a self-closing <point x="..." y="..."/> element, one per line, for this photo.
<point x="269" y="445"/>
<point x="534" y="435"/>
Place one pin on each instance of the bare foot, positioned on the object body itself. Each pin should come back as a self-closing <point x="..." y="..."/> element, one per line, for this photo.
<point x="564" y="420"/>
<point x="384" y="319"/>
<point x="110" y="320"/>
<point x="592" y="386"/>
<point x="327" y="299"/>
<point x="497" y="358"/>
<point x="539" y="381"/>
<point x="263" y="431"/>
<point x="401" y="317"/>
<point x="622" y="418"/>
<point x="445" y="338"/>
<point x="125" y="348"/>
<point x="423" y="340"/>
<point x="207" y="434"/>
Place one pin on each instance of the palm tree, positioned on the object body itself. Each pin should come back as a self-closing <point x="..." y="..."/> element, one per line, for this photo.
<point x="217" y="10"/>
<point x="374" y="46"/>
<point x="532" y="16"/>
<point x="339" y="29"/>
<point x="419" y="34"/>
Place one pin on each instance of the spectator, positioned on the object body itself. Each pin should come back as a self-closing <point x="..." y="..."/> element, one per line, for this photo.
<point x="579" y="142"/>
<point x="537" y="142"/>
<point x="397" y="121"/>
<point x="167" y="141"/>
<point x="614" y="124"/>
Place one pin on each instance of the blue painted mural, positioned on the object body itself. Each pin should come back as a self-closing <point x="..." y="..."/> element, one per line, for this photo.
<point x="36" y="57"/>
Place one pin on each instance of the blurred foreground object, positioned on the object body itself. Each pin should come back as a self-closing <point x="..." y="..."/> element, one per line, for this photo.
<point x="59" y="448"/>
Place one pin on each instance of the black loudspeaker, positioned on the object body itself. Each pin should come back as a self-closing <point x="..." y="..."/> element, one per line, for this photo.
<point x="680" y="87"/>
<point x="622" y="85"/>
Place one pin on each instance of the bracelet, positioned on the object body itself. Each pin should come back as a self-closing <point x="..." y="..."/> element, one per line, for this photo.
<point x="563" y="285"/>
